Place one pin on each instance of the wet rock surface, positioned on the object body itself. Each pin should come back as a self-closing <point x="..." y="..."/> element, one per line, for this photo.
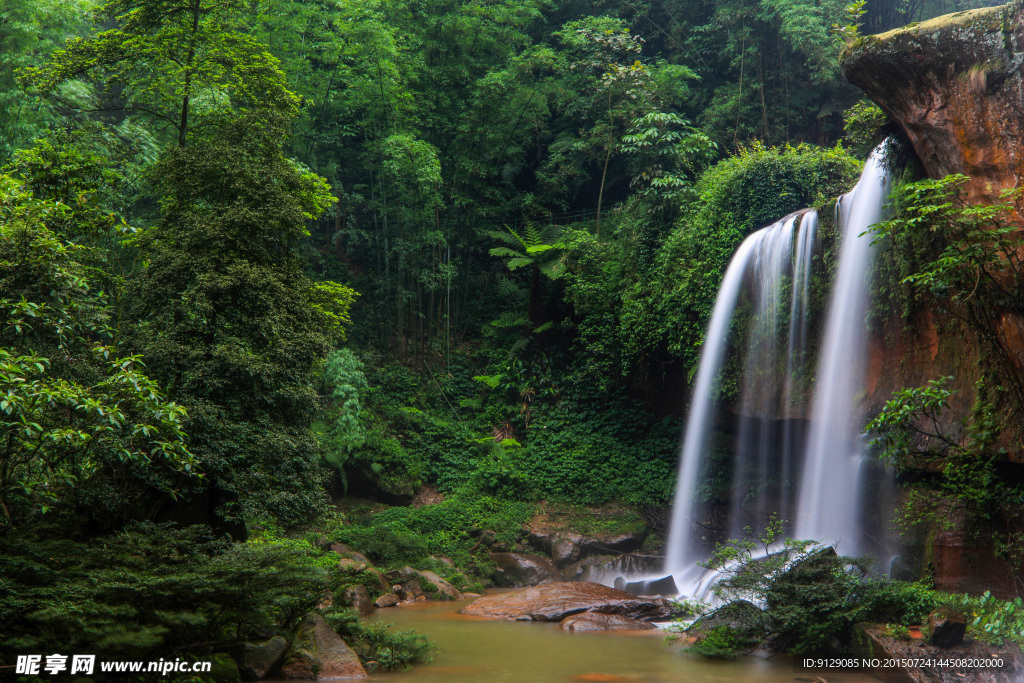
<point x="318" y="653"/>
<point x="596" y="621"/>
<point x="523" y="569"/>
<point x="871" y="642"/>
<point x="556" y="601"/>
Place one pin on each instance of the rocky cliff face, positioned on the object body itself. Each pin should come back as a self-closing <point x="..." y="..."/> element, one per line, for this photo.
<point x="955" y="84"/>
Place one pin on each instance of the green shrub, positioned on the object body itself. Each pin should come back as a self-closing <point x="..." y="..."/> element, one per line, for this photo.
<point x="989" y="619"/>
<point x="407" y="536"/>
<point x="627" y="317"/>
<point x="387" y="547"/>
<point x="392" y="650"/>
<point x="720" y="642"/>
<point x="812" y="597"/>
<point x="152" y="588"/>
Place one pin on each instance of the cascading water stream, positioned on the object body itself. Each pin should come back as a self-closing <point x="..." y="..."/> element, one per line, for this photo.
<point x="828" y="507"/>
<point x="680" y="555"/>
<point x="760" y="399"/>
<point x="796" y="347"/>
<point x="825" y="467"/>
<point x="759" y="263"/>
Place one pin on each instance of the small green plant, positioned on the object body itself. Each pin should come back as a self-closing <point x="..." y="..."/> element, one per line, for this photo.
<point x="997" y="621"/>
<point x="897" y="631"/>
<point x="854" y="14"/>
<point x="721" y="642"/>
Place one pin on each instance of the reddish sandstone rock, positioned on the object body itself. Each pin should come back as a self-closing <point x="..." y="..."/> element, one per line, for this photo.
<point x="595" y="621"/>
<point x="955" y="85"/>
<point x="556" y="601"/>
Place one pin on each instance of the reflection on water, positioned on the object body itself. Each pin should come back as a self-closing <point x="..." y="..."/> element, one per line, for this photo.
<point x="478" y="650"/>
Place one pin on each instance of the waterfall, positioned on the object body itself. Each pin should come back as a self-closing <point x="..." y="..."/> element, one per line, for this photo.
<point x="796" y="347"/>
<point x="760" y="400"/>
<point x="828" y="507"/>
<point x="775" y="453"/>
<point x="699" y="422"/>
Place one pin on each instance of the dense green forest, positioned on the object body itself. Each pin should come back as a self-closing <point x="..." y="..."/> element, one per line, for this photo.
<point x="271" y="269"/>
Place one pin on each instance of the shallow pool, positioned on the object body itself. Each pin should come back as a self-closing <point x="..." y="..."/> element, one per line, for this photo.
<point x="474" y="649"/>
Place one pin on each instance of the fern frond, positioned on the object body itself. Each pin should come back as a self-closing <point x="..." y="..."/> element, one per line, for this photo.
<point x="519" y="263"/>
<point x="518" y="346"/>
<point x="510" y="290"/>
<point x="532" y="236"/>
<point x="508" y="237"/>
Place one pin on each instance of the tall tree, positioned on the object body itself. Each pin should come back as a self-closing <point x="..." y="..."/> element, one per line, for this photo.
<point x="174" y="61"/>
<point x="225" y="315"/>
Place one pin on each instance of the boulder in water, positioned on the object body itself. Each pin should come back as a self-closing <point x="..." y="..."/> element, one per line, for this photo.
<point x="556" y="601"/>
<point x="319" y="654"/>
<point x="595" y="621"/>
<point x="445" y="591"/>
<point x="387" y="600"/>
<point x="663" y="586"/>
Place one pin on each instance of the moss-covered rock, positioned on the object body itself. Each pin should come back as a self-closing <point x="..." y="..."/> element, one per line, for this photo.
<point x="955" y="85"/>
<point x="318" y="653"/>
<point x="256" y="659"/>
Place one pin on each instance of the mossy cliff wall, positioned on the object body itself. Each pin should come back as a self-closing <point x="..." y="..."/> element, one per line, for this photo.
<point x="955" y="84"/>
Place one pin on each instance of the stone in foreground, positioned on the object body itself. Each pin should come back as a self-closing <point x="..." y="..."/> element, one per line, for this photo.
<point x="594" y="621"/>
<point x="319" y="654"/>
<point x="387" y="600"/>
<point x="256" y="659"/>
<point x="556" y="601"/>
<point x="947" y="628"/>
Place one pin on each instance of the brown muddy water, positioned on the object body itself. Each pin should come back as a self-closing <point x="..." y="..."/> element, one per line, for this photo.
<point x="475" y="650"/>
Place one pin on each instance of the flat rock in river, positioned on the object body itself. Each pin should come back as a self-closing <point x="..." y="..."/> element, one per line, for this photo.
<point x="594" y="621"/>
<point x="556" y="601"/>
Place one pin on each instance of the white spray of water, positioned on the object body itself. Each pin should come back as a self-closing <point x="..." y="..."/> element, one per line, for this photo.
<point x="699" y="421"/>
<point x="828" y="507"/>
